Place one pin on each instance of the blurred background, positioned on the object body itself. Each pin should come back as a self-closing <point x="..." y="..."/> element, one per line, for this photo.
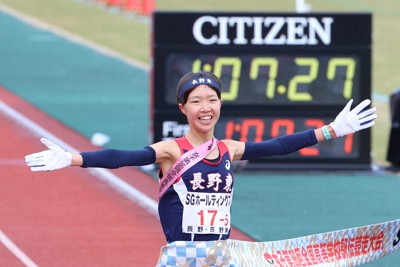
<point x="97" y="83"/>
<point x="121" y="29"/>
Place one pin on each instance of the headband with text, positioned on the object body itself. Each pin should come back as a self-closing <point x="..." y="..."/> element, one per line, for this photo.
<point x="196" y="81"/>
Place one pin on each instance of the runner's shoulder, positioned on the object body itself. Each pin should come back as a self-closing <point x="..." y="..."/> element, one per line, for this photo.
<point x="166" y="150"/>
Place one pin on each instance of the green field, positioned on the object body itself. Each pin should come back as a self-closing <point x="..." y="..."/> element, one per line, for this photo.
<point x="129" y="35"/>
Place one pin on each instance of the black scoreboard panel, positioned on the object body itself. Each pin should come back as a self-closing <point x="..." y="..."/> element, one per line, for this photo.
<point x="281" y="73"/>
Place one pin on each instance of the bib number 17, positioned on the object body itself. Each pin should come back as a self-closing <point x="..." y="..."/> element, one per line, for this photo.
<point x="209" y="216"/>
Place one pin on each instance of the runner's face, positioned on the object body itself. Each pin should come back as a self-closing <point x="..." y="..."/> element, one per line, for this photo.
<point x="202" y="108"/>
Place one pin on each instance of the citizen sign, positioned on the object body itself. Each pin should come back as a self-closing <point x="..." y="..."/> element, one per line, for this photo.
<point x="264" y="30"/>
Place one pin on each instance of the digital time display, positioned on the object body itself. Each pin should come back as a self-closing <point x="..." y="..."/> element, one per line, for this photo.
<point x="273" y="80"/>
<point x="265" y="128"/>
<point x="258" y="128"/>
<point x="281" y="72"/>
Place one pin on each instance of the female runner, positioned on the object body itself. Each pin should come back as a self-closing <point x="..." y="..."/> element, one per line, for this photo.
<point x="196" y="204"/>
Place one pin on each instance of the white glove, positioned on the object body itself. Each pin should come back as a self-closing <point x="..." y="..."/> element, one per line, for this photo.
<point x="352" y="121"/>
<point x="49" y="160"/>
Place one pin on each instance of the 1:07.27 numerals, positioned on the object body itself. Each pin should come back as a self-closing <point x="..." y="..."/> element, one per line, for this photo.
<point x="309" y="70"/>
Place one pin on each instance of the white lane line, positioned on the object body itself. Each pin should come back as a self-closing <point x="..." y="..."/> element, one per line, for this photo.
<point x="111" y="179"/>
<point x="16" y="251"/>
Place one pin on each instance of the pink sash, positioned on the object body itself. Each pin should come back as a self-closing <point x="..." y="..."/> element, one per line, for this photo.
<point x="184" y="162"/>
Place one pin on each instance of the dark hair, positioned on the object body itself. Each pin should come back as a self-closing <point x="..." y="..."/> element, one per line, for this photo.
<point x="191" y="80"/>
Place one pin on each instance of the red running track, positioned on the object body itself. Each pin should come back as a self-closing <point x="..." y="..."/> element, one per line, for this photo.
<point x="69" y="217"/>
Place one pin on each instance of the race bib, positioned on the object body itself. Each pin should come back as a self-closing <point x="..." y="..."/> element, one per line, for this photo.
<point x="207" y="213"/>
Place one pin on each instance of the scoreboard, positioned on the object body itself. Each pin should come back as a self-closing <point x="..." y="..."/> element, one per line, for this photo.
<point x="281" y="73"/>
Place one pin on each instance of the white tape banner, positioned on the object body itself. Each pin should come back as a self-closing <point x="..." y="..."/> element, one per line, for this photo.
<point x="349" y="247"/>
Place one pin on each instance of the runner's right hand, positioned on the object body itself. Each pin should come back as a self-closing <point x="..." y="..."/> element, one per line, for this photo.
<point x="52" y="159"/>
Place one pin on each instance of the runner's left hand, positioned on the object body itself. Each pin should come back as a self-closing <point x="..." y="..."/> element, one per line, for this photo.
<point x="350" y="121"/>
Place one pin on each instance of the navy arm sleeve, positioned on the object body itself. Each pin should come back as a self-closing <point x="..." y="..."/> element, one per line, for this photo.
<point x="279" y="146"/>
<point x="114" y="158"/>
